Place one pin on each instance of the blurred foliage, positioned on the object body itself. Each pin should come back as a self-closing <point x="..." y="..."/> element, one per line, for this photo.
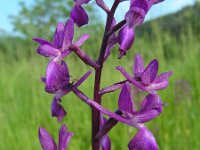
<point x="40" y="18"/>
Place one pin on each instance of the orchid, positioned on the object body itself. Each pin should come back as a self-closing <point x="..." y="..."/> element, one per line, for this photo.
<point x="146" y="78"/>
<point x="48" y="143"/>
<point x="58" y="77"/>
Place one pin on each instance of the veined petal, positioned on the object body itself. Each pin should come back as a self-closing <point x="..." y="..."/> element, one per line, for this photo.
<point x="79" y="16"/>
<point x="126" y="39"/>
<point x="46" y="140"/>
<point x="138" y="67"/>
<point x="125" y="101"/>
<point x="64" y="137"/>
<point x="163" y="77"/>
<point x="142" y="4"/>
<point x="58" y="35"/>
<point x="82" y="39"/>
<point x="151" y="101"/>
<point x="68" y="34"/>
<point x="56" y="76"/>
<point x="57" y="110"/>
<point x="150" y="72"/>
<point x="48" y="51"/>
<point x="143" y="140"/>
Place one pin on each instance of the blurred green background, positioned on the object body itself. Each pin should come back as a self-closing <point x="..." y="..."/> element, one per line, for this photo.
<point x="24" y="106"/>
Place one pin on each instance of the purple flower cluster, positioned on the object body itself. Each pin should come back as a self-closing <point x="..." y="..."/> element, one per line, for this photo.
<point x="57" y="79"/>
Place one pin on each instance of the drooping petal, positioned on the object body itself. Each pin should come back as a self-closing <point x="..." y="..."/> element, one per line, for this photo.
<point x="126" y="39"/>
<point x="143" y="140"/>
<point x="138" y="67"/>
<point x="58" y="35"/>
<point x="150" y="72"/>
<point x="125" y="101"/>
<point x="57" y="110"/>
<point x="46" y="140"/>
<point x="56" y="76"/>
<point x="64" y="137"/>
<point x="79" y="16"/>
<point x="48" y="51"/>
<point x="41" y="41"/>
<point x="68" y="34"/>
<point x="82" y="39"/>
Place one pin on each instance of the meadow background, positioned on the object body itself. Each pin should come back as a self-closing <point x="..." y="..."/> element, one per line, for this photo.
<point x="24" y="106"/>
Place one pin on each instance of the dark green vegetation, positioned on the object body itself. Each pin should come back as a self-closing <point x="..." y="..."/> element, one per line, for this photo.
<point x="24" y="106"/>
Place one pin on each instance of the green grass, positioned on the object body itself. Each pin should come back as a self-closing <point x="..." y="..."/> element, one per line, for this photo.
<point x="24" y="106"/>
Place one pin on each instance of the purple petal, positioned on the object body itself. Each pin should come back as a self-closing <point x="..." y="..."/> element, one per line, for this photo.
<point x="163" y="77"/>
<point x="79" y="16"/>
<point x="57" y="110"/>
<point x="81" y="2"/>
<point x="58" y="35"/>
<point x="142" y="4"/>
<point x="68" y="34"/>
<point x="46" y="140"/>
<point x="41" y="41"/>
<point x="106" y="143"/>
<point x="143" y="140"/>
<point x="56" y="76"/>
<point x="64" y="137"/>
<point x="125" y="101"/>
<point x="48" y="51"/>
<point x="126" y="39"/>
<point x="101" y="4"/>
<point x="151" y="108"/>
<point x="138" y="67"/>
<point x="150" y="72"/>
<point x="158" y="86"/>
<point x="82" y="39"/>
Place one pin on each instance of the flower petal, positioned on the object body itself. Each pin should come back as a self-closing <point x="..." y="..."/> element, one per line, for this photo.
<point x="58" y="35"/>
<point x="57" y="76"/>
<point x="82" y="39"/>
<point x="143" y="140"/>
<point x="138" y="67"/>
<point x="126" y="39"/>
<point x="64" y="137"/>
<point x="125" y="101"/>
<point x="150" y="72"/>
<point x="48" y="51"/>
<point x="81" y="2"/>
<point x="46" y="140"/>
<point x="163" y="77"/>
<point x="151" y="101"/>
<point x="79" y="16"/>
<point x="68" y="34"/>
<point x="57" y="110"/>
<point x="41" y="41"/>
<point x="106" y="143"/>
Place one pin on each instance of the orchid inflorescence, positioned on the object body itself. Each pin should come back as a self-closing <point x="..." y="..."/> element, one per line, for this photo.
<point x="57" y="78"/>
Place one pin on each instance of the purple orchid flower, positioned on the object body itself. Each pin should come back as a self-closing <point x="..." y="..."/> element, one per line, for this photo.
<point x="146" y="78"/>
<point x="78" y="14"/>
<point x="62" y="39"/>
<point x="134" y="17"/>
<point x="48" y="143"/>
<point x="143" y="140"/>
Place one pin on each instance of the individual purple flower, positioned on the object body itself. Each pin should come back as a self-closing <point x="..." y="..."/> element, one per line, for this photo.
<point x="57" y="110"/>
<point x="78" y="14"/>
<point x="146" y="78"/>
<point x="151" y="106"/>
<point x="143" y="140"/>
<point x="134" y="17"/>
<point x="57" y="76"/>
<point x="48" y="143"/>
<point x="62" y="40"/>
